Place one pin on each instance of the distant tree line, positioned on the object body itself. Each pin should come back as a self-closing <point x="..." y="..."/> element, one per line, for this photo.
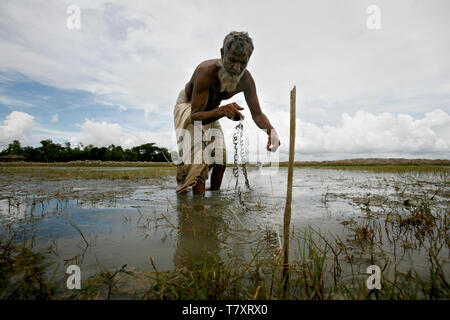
<point x="54" y="152"/>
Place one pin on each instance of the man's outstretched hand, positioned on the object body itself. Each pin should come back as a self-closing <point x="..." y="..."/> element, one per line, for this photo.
<point x="273" y="143"/>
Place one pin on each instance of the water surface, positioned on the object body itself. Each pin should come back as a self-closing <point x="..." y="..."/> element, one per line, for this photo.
<point x="128" y="222"/>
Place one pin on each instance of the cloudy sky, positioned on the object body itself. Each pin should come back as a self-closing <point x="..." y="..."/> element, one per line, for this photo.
<point x="361" y="92"/>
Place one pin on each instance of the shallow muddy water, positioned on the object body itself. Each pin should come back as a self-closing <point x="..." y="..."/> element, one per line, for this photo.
<point x="129" y="222"/>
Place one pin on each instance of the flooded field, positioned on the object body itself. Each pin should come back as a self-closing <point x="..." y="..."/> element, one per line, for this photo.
<point x="342" y="222"/>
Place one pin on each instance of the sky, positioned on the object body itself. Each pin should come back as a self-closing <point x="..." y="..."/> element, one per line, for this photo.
<point x="370" y="82"/>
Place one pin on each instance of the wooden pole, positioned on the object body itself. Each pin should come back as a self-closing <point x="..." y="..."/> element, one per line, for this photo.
<point x="287" y="209"/>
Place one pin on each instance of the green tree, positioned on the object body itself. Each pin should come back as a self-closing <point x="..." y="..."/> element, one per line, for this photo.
<point x="51" y="151"/>
<point x="14" y="148"/>
<point x="145" y="152"/>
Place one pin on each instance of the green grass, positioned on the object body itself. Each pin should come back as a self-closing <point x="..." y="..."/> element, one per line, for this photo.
<point x="372" y="165"/>
<point x="88" y="163"/>
<point x="56" y="173"/>
<point x="22" y="269"/>
<point x="382" y="168"/>
<point x="73" y="172"/>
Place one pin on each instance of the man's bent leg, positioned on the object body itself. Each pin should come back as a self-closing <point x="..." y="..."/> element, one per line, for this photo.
<point x="199" y="187"/>
<point x="181" y="174"/>
<point x="216" y="176"/>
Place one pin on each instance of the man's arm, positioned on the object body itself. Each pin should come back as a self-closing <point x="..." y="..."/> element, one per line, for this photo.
<point x="258" y="116"/>
<point x="199" y="99"/>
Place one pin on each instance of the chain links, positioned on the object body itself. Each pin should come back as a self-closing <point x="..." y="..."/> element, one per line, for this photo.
<point x="238" y="141"/>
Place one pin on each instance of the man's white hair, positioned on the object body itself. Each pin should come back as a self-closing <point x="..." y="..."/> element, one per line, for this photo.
<point x="238" y="43"/>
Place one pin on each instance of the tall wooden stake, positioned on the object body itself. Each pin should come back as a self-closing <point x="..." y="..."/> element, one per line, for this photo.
<point x="287" y="209"/>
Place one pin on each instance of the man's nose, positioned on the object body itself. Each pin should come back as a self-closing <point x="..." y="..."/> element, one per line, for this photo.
<point x="237" y="68"/>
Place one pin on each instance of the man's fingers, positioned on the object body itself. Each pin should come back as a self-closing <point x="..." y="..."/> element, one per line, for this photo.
<point x="234" y="104"/>
<point x="276" y="143"/>
<point x="237" y="116"/>
<point x="236" y="113"/>
<point x="232" y="111"/>
<point x="236" y="108"/>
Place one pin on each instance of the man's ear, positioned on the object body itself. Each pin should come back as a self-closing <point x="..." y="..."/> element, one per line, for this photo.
<point x="221" y="52"/>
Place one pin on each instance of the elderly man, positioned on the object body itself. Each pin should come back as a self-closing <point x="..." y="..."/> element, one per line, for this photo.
<point x="197" y="112"/>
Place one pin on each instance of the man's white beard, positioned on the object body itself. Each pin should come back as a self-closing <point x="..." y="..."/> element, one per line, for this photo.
<point x="228" y="82"/>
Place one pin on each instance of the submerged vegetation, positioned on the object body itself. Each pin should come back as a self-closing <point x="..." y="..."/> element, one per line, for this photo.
<point x="405" y="234"/>
<point x="22" y="269"/>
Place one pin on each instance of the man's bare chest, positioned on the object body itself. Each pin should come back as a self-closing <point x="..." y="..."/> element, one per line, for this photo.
<point x="215" y="97"/>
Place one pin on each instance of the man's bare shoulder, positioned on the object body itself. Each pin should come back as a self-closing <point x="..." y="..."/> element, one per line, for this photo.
<point x="207" y="67"/>
<point x="247" y="80"/>
<point x="202" y="76"/>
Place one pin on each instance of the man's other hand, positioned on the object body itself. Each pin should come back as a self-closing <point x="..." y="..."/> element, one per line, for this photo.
<point x="231" y="111"/>
<point x="273" y="143"/>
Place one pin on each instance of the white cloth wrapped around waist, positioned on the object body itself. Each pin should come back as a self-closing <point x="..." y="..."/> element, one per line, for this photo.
<point x="200" y="146"/>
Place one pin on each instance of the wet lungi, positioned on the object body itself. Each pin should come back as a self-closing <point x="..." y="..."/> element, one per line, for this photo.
<point x="200" y="146"/>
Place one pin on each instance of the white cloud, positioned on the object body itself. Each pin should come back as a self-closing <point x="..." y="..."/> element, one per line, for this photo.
<point x="141" y="53"/>
<point x="121" y="107"/>
<point x="105" y="103"/>
<point x="103" y="134"/>
<point x="60" y="136"/>
<point x="11" y="102"/>
<point x="55" y="118"/>
<point x="383" y="133"/>
<point x="351" y="81"/>
<point x="163" y="138"/>
<point x="16" y="126"/>
<point x="100" y="133"/>
<point x="124" y="53"/>
<point x="364" y="133"/>
<point x="4" y="79"/>
<point x="361" y="134"/>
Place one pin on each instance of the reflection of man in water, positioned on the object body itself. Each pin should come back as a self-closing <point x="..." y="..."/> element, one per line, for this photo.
<point x="198" y="233"/>
<point x="213" y="81"/>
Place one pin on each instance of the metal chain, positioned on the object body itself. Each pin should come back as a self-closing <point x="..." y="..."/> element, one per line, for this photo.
<point x="243" y="160"/>
<point x="235" y="167"/>
<point x="238" y="139"/>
